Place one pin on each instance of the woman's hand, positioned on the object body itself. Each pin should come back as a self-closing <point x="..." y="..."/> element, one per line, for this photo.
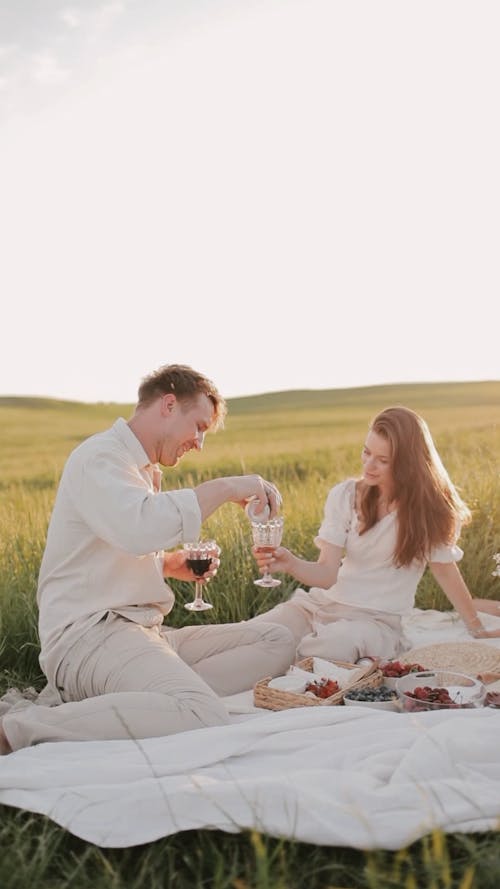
<point x="278" y="560"/>
<point x="322" y="573"/>
<point x="174" y="565"/>
<point x="482" y="633"/>
<point x="476" y="629"/>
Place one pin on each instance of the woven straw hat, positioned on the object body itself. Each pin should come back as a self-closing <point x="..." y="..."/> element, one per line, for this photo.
<point x="473" y="658"/>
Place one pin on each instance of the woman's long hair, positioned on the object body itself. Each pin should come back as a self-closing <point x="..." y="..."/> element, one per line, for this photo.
<point x="430" y="510"/>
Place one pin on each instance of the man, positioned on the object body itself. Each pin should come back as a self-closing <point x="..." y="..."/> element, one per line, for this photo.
<point x="112" y="667"/>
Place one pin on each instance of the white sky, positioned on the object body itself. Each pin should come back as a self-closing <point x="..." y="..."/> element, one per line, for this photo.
<point x="282" y="193"/>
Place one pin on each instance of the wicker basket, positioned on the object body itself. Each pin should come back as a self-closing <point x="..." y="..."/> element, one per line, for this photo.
<point x="274" y="699"/>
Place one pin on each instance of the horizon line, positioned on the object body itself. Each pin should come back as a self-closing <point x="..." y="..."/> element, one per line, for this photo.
<point x="402" y="383"/>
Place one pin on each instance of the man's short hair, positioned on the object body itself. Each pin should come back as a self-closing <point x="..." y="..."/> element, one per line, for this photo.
<point x="186" y="384"/>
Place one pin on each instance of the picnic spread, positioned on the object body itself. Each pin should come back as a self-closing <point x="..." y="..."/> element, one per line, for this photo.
<point x="365" y="775"/>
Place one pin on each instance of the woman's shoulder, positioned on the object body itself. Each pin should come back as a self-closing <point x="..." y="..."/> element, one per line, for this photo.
<point x="343" y="493"/>
<point x="338" y="513"/>
<point x="345" y="487"/>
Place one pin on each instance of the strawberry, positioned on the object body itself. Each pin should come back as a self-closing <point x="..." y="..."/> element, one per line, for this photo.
<point x="395" y="669"/>
<point x="323" y="687"/>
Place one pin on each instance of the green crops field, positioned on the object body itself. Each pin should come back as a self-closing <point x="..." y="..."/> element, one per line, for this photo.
<point x="305" y="441"/>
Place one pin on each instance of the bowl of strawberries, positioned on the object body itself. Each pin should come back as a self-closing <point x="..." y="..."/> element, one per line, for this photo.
<point x="439" y="690"/>
<point x="394" y="670"/>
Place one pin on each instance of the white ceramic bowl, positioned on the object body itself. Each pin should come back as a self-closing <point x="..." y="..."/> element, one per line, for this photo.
<point x="462" y="689"/>
<point x="288" y="683"/>
<point x="375" y="705"/>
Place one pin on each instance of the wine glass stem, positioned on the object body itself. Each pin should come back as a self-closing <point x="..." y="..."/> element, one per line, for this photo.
<point x="198" y="591"/>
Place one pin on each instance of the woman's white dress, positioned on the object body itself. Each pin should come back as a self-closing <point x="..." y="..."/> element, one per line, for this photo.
<point x="360" y="615"/>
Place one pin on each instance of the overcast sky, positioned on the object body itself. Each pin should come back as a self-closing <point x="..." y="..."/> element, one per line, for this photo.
<point x="282" y="193"/>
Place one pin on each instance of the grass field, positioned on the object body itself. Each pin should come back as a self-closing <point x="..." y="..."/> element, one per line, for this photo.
<point x="305" y="441"/>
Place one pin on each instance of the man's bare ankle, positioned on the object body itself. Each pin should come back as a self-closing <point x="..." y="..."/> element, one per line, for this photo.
<point x="4" y="744"/>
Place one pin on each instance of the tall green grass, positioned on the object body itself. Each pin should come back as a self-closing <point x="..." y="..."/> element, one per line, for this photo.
<point x="306" y="442"/>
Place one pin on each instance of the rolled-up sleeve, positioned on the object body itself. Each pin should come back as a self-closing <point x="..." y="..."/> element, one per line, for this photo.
<point x="114" y="500"/>
<point x="449" y="553"/>
<point x="337" y="516"/>
<point x="186" y="503"/>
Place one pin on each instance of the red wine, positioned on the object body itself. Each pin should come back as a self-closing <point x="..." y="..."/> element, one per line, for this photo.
<point x="199" y="566"/>
<point x="265" y="549"/>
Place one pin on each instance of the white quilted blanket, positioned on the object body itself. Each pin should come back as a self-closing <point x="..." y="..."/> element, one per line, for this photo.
<point x="326" y="775"/>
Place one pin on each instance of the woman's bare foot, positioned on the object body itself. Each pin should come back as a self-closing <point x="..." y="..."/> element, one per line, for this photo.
<point x="4" y="744"/>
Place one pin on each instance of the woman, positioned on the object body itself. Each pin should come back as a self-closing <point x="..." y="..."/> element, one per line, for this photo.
<point x="377" y="536"/>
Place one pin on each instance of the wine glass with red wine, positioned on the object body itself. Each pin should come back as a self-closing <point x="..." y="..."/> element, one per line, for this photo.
<point x="199" y="558"/>
<point x="266" y="537"/>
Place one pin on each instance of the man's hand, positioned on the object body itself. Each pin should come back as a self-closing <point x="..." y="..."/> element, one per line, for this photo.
<point x="174" y="565"/>
<point x="265" y="494"/>
<point x="238" y="489"/>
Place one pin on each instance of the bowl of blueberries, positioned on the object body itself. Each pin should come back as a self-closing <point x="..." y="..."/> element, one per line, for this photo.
<point x="380" y="698"/>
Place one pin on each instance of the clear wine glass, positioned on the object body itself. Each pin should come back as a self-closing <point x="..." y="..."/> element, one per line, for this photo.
<point x="266" y="537"/>
<point x="199" y="558"/>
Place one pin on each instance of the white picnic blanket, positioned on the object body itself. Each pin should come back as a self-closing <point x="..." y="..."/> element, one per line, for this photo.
<point x="327" y="775"/>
